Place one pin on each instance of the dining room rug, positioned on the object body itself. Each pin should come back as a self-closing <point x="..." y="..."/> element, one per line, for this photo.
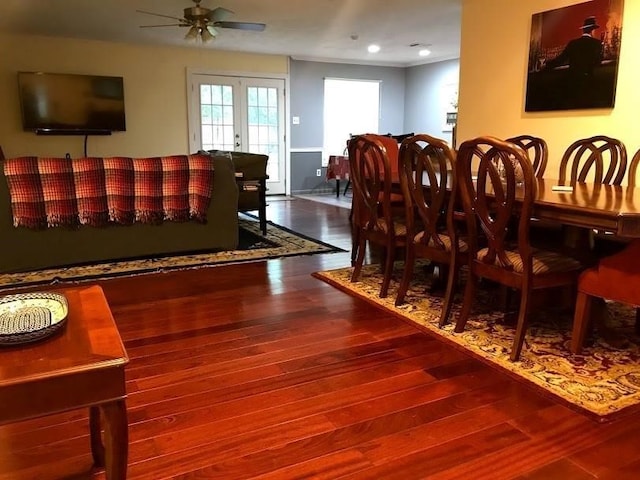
<point x="253" y="246"/>
<point x="603" y="382"/>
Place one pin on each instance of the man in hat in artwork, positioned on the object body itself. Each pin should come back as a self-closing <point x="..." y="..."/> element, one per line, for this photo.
<point x="582" y="55"/>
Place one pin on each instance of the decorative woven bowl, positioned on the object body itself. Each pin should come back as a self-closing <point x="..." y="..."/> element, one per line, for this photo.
<point x="28" y="317"/>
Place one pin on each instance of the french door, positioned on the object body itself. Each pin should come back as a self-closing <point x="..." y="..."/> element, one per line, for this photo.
<point x="243" y="114"/>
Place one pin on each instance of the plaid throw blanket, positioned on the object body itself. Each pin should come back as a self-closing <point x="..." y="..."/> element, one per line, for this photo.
<point x="50" y="192"/>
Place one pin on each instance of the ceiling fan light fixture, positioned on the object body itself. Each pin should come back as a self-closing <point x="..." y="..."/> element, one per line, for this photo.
<point x="192" y="34"/>
<point x="202" y="21"/>
<point x="206" y="35"/>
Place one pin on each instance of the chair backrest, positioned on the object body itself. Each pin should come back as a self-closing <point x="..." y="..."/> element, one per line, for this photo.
<point x="606" y="156"/>
<point x="390" y="144"/>
<point x="491" y="199"/>
<point x="428" y="181"/>
<point x="401" y="137"/>
<point x="371" y="180"/>
<point x="633" y="170"/>
<point x="536" y="149"/>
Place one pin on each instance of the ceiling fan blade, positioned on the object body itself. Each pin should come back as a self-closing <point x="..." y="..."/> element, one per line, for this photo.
<point x="256" y="27"/>
<point x="160" y="15"/>
<point x="166" y="25"/>
<point x="219" y="14"/>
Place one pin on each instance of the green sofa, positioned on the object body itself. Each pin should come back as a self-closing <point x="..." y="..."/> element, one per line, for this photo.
<point x="25" y="249"/>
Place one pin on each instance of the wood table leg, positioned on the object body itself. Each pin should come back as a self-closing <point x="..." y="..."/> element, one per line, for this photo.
<point x="113" y="453"/>
<point x="262" y="208"/>
<point x="97" y="449"/>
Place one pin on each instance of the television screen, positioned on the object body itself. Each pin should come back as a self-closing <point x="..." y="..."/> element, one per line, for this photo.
<point x="67" y="103"/>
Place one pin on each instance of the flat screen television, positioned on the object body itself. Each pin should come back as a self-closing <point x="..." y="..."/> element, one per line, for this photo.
<point x="62" y="103"/>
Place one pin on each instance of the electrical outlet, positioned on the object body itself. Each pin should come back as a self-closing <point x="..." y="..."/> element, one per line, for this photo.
<point x="319" y="172"/>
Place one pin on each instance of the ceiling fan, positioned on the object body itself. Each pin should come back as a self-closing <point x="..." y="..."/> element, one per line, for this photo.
<point x="203" y="22"/>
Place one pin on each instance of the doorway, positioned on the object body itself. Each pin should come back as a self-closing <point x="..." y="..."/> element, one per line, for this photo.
<point x="244" y="114"/>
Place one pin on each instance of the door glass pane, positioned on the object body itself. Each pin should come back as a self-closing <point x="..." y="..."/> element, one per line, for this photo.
<point x="207" y="135"/>
<point x="216" y="117"/>
<point x="262" y="114"/>
<point x="216" y="94"/>
<point x="206" y="114"/>
<point x="218" y="136"/>
<point x="205" y="93"/>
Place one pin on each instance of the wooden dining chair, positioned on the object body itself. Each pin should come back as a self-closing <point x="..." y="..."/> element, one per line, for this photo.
<point x="489" y="200"/>
<point x="537" y="150"/>
<point x="600" y="159"/>
<point x="428" y="182"/>
<point x="375" y="218"/>
<point x="632" y="181"/>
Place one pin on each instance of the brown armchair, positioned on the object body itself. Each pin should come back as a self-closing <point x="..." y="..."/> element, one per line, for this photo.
<point x="251" y="176"/>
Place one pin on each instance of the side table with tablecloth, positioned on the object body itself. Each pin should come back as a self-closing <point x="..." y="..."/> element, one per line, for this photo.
<point x="338" y="169"/>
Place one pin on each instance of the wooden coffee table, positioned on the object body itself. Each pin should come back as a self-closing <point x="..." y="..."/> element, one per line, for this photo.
<point x="82" y="366"/>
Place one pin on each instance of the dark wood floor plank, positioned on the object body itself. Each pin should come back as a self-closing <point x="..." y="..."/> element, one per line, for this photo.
<point x="326" y="467"/>
<point x="561" y="470"/>
<point x="361" y="427"/>
<point x="458" y="422"/>
<point x="594" y="459"/>
<point x="260" y="370"/>
<point x="427" y="463"/>
<point x="555" y="434"/>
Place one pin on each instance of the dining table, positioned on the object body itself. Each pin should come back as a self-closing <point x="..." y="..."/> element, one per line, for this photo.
<point x="585" y="207"/>
<point x="610" y="208"/>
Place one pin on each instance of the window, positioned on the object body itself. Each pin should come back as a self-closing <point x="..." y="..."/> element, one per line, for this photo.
<point x="350" y="107"/>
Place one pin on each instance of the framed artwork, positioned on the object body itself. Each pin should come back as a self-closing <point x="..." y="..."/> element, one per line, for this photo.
<point x="573" y="57"/>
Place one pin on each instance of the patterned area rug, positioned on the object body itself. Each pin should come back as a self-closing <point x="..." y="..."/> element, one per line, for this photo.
<point x="603" y="382"/>
<point x="279" y="242"/>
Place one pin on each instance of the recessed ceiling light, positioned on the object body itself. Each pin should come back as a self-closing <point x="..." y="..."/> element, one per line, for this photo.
<point x="373" y="48"/>
<point x="424" y="52"/>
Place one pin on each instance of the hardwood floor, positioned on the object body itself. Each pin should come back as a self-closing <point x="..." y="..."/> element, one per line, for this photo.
<point x="260" y="371"/>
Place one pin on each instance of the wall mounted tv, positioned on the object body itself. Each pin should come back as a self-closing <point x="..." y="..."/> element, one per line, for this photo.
<point x="68" y="104"/>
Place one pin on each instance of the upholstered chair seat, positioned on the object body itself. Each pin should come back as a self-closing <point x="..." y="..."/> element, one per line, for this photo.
<point x="543" y="261"/>
<point x="445" y="241"/>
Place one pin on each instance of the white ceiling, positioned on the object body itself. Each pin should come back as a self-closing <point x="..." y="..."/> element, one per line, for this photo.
<point x="303" y="29"/>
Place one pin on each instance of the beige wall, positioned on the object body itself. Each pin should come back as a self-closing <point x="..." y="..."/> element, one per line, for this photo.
<point x="493" y="67"/>
<point x="155" y="91"/>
